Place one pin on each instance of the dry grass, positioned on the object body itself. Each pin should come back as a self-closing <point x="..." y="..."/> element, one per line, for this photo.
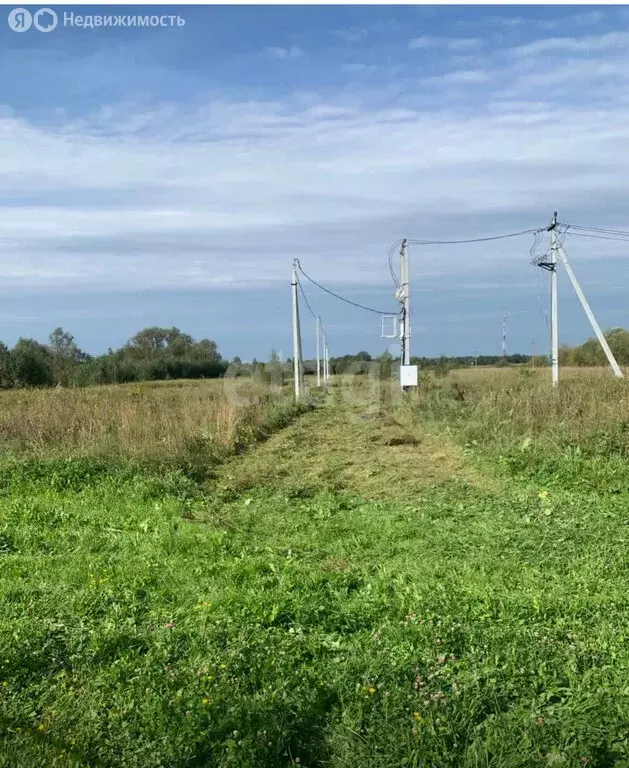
<point x="147" y="421"/>
<point x="499" y="406"/>
<point x="355" y="443"/>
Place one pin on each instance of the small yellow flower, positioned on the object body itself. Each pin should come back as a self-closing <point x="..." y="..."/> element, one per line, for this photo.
<point x="41" y="727"/>
<point x="372" y="690"/>
<point x="543" y="495"/>
<point x="205" y="702"/>
<point x="417" y="716"/>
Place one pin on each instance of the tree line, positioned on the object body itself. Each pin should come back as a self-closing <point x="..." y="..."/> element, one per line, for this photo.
<point x="362" y="362"/>
<point x="151" y="354"/>
<point x="167" y="353"/>
<point x="590" y="353"/>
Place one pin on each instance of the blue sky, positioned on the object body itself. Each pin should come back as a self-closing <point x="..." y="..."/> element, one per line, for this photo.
<point x="169" y="175"/>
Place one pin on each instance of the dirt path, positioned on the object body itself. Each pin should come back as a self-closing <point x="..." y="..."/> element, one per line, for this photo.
<point x="344" y="446"/>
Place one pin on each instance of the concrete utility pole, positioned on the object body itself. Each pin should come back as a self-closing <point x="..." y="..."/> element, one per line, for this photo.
<point x="554" y="322"/>
<point x="318" y="351"/>
<point x="556" y="247"/>
<point x="404" y="298"/>
<point x="297" y="361"/>
<point x="549" y="263"/>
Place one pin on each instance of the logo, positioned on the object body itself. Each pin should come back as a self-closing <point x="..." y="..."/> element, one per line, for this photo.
<point x="20" y="19"/>
<point x="45" y="20"/>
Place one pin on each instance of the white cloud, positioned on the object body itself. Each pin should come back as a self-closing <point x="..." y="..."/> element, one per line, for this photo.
<point x="293" y="52"/>
<point x="587" y="19"/>
<point x="448" y="43"/>
<point x="228" y="192"/>
<point x="351" y="34"/>
<point x="358" y="67"/>
<point x="611" y="41"/>
<point x="461" y="77"/>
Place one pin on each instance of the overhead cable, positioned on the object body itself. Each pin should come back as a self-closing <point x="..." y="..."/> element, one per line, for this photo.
<point x="337" y="296"/>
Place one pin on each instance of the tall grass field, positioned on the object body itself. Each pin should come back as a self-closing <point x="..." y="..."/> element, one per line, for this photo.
<point x="204" y="574"/>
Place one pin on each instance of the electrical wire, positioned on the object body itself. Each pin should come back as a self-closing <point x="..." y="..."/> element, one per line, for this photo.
<point x="476" y="239"/>
<point x="614" y="238"/>
<point x="310" y="309"/>
<point x="536" y="243"/>
<point x="337" y="296"/>
<point x="599" y="230"/>
<point x="391" y="270"/>
<point x="306" y="299"/>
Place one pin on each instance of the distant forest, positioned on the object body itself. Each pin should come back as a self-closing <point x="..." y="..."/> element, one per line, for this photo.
<point x="152" y="354"/>
<point x="155" y="354"/>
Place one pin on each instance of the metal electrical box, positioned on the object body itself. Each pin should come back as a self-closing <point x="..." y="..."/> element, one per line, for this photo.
<point x="408" y="375"/>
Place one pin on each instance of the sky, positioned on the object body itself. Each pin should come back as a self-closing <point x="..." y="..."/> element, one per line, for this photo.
<point x="169" y="175"/>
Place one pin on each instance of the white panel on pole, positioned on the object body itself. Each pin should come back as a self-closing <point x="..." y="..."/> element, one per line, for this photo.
<point x="389" y="327"/>
<point x="408" y="375"/>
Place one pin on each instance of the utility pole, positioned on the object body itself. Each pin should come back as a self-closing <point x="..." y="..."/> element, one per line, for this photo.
<point x="556" y="247"/>
<point x="554" y="322"/>
<point x="297" y="361"/>
<point x="326" y="359"/>
<point x="549" y="263"/>
<point x="318" y="351"/>
<point x="403" y="296"/>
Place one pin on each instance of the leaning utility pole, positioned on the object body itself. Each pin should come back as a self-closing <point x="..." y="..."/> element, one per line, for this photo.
<point x="318" y="351"/>
<point x="297" y="361"/>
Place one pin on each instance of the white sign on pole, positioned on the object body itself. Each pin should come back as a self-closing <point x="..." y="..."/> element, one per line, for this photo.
<point x="408" y="375"/>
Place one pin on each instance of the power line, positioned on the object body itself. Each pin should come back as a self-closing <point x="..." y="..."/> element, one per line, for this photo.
<point x="477" y="239"/>
<point x="341" y="298"/>
<point x="615" y="238"/>
<point x="600" y="230"/>
<point x="306" y="299"/>
<point x="391" y="270"/>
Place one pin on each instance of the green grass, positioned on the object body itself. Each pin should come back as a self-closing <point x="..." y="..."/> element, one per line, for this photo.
<point x="317" y="619"/>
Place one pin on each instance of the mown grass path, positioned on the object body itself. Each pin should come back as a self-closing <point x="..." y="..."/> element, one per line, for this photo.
<point x="353" y="592"/>
<point x="362" y="448"/>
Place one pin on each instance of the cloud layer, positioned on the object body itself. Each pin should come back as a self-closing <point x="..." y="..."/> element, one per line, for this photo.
<point x="474" y="138"/>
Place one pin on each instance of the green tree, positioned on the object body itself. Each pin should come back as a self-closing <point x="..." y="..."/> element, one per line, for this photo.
<point x="31" y="363"/>
<point x="274" y="369"/>
<point x="207" y="350"/>
<point x="153" y="341"/>
<point x="6" y="369"/>
<point x="66" y="356"/>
